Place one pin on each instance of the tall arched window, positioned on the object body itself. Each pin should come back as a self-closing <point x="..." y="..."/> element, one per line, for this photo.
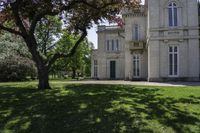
<point x="172" y="11"/>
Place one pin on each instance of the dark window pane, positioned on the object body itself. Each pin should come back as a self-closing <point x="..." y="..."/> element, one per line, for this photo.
<point x="170" y="49"/>
<point x="175" y="17"/>
<point x="113" y="45"/>
<point x="117" y="45"/>
<point x="170" y="64"/>
<point x="170" y="17"/>
<point x="175" y="64"/>
<point x="95" y="62"/>
<point x="174" y="4"/>
<point x="108" y="43"/>
<point x="136" y="32"/>
<point x="95" y="71"/>
<point x="175" y="70"/>
<point x="175" y="49"/>
<point x="138" y="68"/>
<point x="175" y="59"/>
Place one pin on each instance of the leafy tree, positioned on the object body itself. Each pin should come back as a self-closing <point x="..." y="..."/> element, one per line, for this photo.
<point x="79" y="62"/>
<point x="46" y="32"/>
<point x="21" y="17"/>
<point x="15" y="62"/>
<point x="11" y="45"/>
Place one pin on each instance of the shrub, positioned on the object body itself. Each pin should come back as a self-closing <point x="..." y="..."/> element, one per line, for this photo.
<point x="16" y="68"/>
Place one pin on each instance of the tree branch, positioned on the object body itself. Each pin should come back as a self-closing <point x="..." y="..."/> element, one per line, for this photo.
<point x="98" y="8"/>
<point x="18" y="20"/>
<point x="38" y="16"/>
<point x="71" y="53"/>
<point x="10" y="30"/>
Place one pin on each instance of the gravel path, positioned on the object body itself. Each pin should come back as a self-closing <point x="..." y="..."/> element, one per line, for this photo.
<point x="144" y="83"/>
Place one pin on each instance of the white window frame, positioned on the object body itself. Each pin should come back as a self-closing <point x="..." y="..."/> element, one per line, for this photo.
<point x="173" y="68"/>
<point x="138" y="64"/>
<point x="172" y="7"/>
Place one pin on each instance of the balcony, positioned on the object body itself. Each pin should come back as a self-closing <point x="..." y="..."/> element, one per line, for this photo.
<point x="137" y="45"/>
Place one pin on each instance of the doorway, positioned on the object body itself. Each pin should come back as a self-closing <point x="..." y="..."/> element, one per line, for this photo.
<point x="112" y="69"/>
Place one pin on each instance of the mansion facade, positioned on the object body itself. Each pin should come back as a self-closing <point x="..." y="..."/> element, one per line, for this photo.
<point x="158" y="42"/>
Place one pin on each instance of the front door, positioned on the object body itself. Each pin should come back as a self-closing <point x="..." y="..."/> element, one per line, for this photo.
<point x="112" y="69"/>
<point x="136" y="66"/>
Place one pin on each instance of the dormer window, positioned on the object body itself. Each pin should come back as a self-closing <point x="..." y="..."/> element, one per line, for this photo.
<point x="173" y="15"/>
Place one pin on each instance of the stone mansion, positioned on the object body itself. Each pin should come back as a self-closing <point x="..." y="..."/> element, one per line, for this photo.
<point x="158" y="42"/>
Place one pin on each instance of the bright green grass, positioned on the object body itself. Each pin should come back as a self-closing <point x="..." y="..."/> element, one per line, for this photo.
<point x="98" y="109"/>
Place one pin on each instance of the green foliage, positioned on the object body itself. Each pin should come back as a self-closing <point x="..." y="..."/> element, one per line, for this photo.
<point x="11" y="45"/>
<point x="16" y="68"/>
<point x="77" y="65"/>
<point x="15" y="62"/>
<point x="98" y="109"/>
<point x="21" y="17"/>
<point x="46" y="33"/>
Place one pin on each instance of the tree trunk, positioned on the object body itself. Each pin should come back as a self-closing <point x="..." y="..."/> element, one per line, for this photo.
<point x="43" y="76"/>
<point x="43" y="71"/>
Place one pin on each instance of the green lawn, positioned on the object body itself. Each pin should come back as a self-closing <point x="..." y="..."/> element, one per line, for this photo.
<point x="98" y="109"/>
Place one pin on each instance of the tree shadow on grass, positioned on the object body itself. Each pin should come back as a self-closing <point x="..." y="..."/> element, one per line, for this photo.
<point x="95" y="109"/>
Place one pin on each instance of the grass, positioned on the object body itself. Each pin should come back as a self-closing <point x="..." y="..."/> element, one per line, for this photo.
<point x="98" y="109"/>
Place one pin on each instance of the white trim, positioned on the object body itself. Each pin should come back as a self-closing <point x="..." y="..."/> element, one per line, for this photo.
<point x="138" y="60"/>
<point x="173" y="75"/>
<point x="173" y="14"/>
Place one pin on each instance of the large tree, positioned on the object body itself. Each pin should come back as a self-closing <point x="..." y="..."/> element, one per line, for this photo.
<point x="21" y="18"/>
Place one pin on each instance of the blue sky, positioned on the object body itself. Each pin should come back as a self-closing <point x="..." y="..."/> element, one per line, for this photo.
<point x="92" y="36"/>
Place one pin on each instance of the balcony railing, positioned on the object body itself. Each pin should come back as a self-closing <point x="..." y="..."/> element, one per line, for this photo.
<point x="136" y="45"/>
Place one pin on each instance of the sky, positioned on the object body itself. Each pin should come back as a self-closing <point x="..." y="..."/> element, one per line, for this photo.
<point x="92" y="35"/>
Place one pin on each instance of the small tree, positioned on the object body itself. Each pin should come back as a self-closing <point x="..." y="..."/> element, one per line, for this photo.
<point x="79" y="62"/>
<point x="21" y="18"/>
